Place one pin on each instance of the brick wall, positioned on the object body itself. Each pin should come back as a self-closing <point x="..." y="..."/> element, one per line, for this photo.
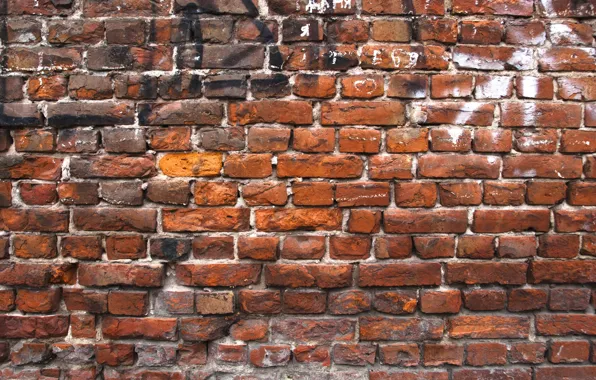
<point x="309" y="189"/>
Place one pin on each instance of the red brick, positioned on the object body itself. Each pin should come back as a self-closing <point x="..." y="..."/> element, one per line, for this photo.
<point x="362" y="86"/>
<point x="303" y="247"/>
<point x="399" y="274"/>
<point x="506" y="8"/>
<point x="395" y="302"/>
<point x="407" y="140"/>
<point x="457" y="113"/>
<point x="364" y="221"/>
<point x="441" y="354"/>
<point x="359" y="140"/>
<point x="442" y="30"/>
<point x="258" y="248"/>
<point x="128" y="303"/>
<point x="268" y="139"/>
<point x="524" y="32"/>
<point x="409" y="86"/>
<point x="512" y="373"/>
<point x="549" y="115"/>
<point x="569" y="352"/>
<point x="391" y="30"/>
<point x="354" y="354"/>
<point x="216" y="193"/>
<point x="487" y="273"/>
<point x="425" y="221"/>
<point x="545" y="193"/>
<point x="415" y="194"/>
<point x="569" y="299"/>
<point x="314" y="86"/>
<point x="578" y="141"/>
<point x="314" y="330"/>
<point x="302" y="165"/>
<point x="460" y="194"/>
<point x="310" y="219"/>
<point x="349" y="247"/>
<point x="476" y="247"/>
<point x="404" y="57"/>
<point x="417" y="7"/>
<point x="270" y="356"/>
<point x="504" y="193"/>
<point x="412" y="329"/>
<point x="260" y="301"/>
<point x="191" y="274"/>
<point x="451" y="86"/>
<point x="114" y="354"/>
<point x="433" y="302"/>
<point x="204" y="328"/>
<point x="579" y="220"/>
<point x="364" y="113"/>
<point x="349" y="302"/>
<point x="390" y="167"/>
<point x="456" y="166"/>
<point x="139" y="328"/>
<point x="362" y="194"/>
<point x="527" y="353"/>
<point x="34" y="246"/>
<point x="406" y="354"/>
<point x="429" y="247"/>
<point x="204" y="219"/>
<point x="393" y="247"/>
<point x="38" y="301"/>
<point x="481" y="32"/>
<point x="38" y="193"/>
<point x="561" y="272"/>
<point x="492" y="58"/>
<point x="110" y="274"/>
<point x="484" y="299"/>
<point x="488" y="327"/>
<point x="566" y="59"/>
<point x="516" y="247"/>
<point x="308" y="275"/>
<point x="558" y="246"/>
<point x="495" y="221"/>
<point x="526" y="299"/>
<point x="271" y="111"/>
<point x="312" y="354"/>
<point x="565" y="324"/>
<point x="301" y="302"/>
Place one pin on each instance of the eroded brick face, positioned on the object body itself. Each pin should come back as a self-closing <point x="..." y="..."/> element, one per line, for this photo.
<point x="298" y="189"/>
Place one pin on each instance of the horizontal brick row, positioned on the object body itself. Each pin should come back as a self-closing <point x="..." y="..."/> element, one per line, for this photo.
<point x="295" y="275"/>
<point x="312" y="193"/>
<point x="343" y="302"/>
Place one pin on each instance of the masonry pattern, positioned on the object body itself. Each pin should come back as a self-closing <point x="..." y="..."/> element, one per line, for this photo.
<point x="298" y="189"/>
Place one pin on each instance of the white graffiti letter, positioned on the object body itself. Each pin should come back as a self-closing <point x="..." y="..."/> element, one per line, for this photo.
<point x="305" y="31"/>
<point x="376" y="59"/>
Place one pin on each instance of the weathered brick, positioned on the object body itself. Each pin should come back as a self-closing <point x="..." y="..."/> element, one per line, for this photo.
<point x="301" y="275"/>
<point x="475" y="327"/>
<point x="98" y="113"/>
<point x="180" y="113"/>
<point x="399" y="274"/>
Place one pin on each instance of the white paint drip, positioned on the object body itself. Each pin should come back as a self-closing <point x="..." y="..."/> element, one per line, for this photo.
<point x="455" y="134"/>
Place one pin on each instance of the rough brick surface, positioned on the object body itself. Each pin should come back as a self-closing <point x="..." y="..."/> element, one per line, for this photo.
<point x="297" y="189"/>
